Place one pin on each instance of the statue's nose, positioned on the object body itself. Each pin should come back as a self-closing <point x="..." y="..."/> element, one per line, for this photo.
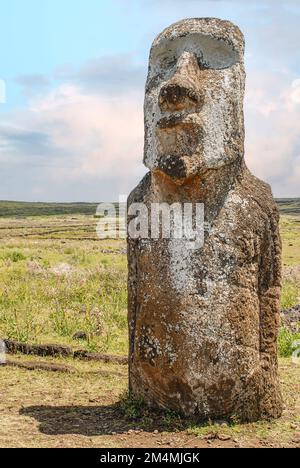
<point x="181" y="91"/>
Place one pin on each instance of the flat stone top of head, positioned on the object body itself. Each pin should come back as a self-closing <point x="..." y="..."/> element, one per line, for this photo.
<point x="220" y="42"/>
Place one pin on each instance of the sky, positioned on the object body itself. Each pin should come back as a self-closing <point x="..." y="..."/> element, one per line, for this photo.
<point x="72" y="82"/>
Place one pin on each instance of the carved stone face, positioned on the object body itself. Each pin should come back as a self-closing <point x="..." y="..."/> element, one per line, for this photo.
<point x="194" y="98"/>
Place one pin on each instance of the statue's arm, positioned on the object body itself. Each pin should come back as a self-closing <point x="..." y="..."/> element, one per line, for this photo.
<point x="270" y="283"/>
<point x="137" y="196"/>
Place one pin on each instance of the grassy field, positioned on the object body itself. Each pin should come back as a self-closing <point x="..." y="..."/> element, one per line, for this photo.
<point x="58" y="279"/>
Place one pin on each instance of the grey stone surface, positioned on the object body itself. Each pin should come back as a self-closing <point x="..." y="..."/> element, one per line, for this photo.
<point x="203" y="322"/>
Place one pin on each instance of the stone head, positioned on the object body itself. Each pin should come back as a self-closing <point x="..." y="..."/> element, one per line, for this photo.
<point x="194" y="98"/>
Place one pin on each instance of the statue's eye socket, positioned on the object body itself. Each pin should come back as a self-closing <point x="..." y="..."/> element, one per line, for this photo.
<point x="167" y="61"/>
<point x="203" y="64"/>
<point x="212" y="53"/>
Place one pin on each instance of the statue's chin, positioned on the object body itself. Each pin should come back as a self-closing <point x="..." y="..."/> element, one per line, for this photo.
<point x="177" y="173"/>
<point x="180" y="168"/>
<point x="173" y="166"/>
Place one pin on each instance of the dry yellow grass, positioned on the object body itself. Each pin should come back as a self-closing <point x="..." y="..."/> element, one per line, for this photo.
<point x="45" y="409"/>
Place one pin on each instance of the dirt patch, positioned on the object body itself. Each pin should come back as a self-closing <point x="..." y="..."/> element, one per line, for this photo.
<point x="38" y="365"/>
<point x="49" y="409"/>
<point x="86" y="356"/>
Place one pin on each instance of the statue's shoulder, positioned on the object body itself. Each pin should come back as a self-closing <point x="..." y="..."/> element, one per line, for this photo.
<point x="139" y="193"/>
<point x="259" y="192"/>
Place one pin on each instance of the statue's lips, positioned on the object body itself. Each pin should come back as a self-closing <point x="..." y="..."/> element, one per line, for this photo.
<point x="177" y="120"/>
<point x="179" y="134"/>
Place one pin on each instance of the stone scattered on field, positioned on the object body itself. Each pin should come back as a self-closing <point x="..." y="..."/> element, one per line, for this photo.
<point x="62" y="269"/>
<point x="80" y="335"/>
<point x="290" y="319"/>
<point x="35" y="268"/>
<point x="296" y="438"/>
<point x="203" y="321"/>
<point x="224" y="437"/>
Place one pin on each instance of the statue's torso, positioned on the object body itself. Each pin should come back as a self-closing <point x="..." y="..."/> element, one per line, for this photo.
<point x="197" y="317"/>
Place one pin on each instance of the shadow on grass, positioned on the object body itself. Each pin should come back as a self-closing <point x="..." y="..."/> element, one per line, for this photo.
<point x="97" y="420"/>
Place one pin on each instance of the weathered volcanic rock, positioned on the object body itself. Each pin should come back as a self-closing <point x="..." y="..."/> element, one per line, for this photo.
<point x="203" y="321"/>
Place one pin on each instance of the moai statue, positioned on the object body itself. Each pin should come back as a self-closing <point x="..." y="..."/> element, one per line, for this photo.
<point x="203" y="321"/>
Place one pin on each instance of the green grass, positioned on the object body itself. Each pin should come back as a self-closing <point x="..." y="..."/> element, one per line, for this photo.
<point x="49" y="290"/>
<point x="287" y="342"/>
<point x="14" y="256"/>
<point x="290" y="233"/>
<point x="131" y="407"/>
<point x="290" y="294"/>
<point x="57" y="278"/>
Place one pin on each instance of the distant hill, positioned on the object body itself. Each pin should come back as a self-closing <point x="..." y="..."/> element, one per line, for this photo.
<point x="25" y="209"/>
<point x="289" y="206"/>
<point x="10" y="209"/>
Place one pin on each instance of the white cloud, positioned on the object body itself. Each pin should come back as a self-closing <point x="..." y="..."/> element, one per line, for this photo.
<point x="96" y="138"/>
<point x="108" y="74"/>
<point x="273" y="131"/>
<point x="84" y="139"/>
<point x="292" y="95"/>
<point x="93" y="144"/>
